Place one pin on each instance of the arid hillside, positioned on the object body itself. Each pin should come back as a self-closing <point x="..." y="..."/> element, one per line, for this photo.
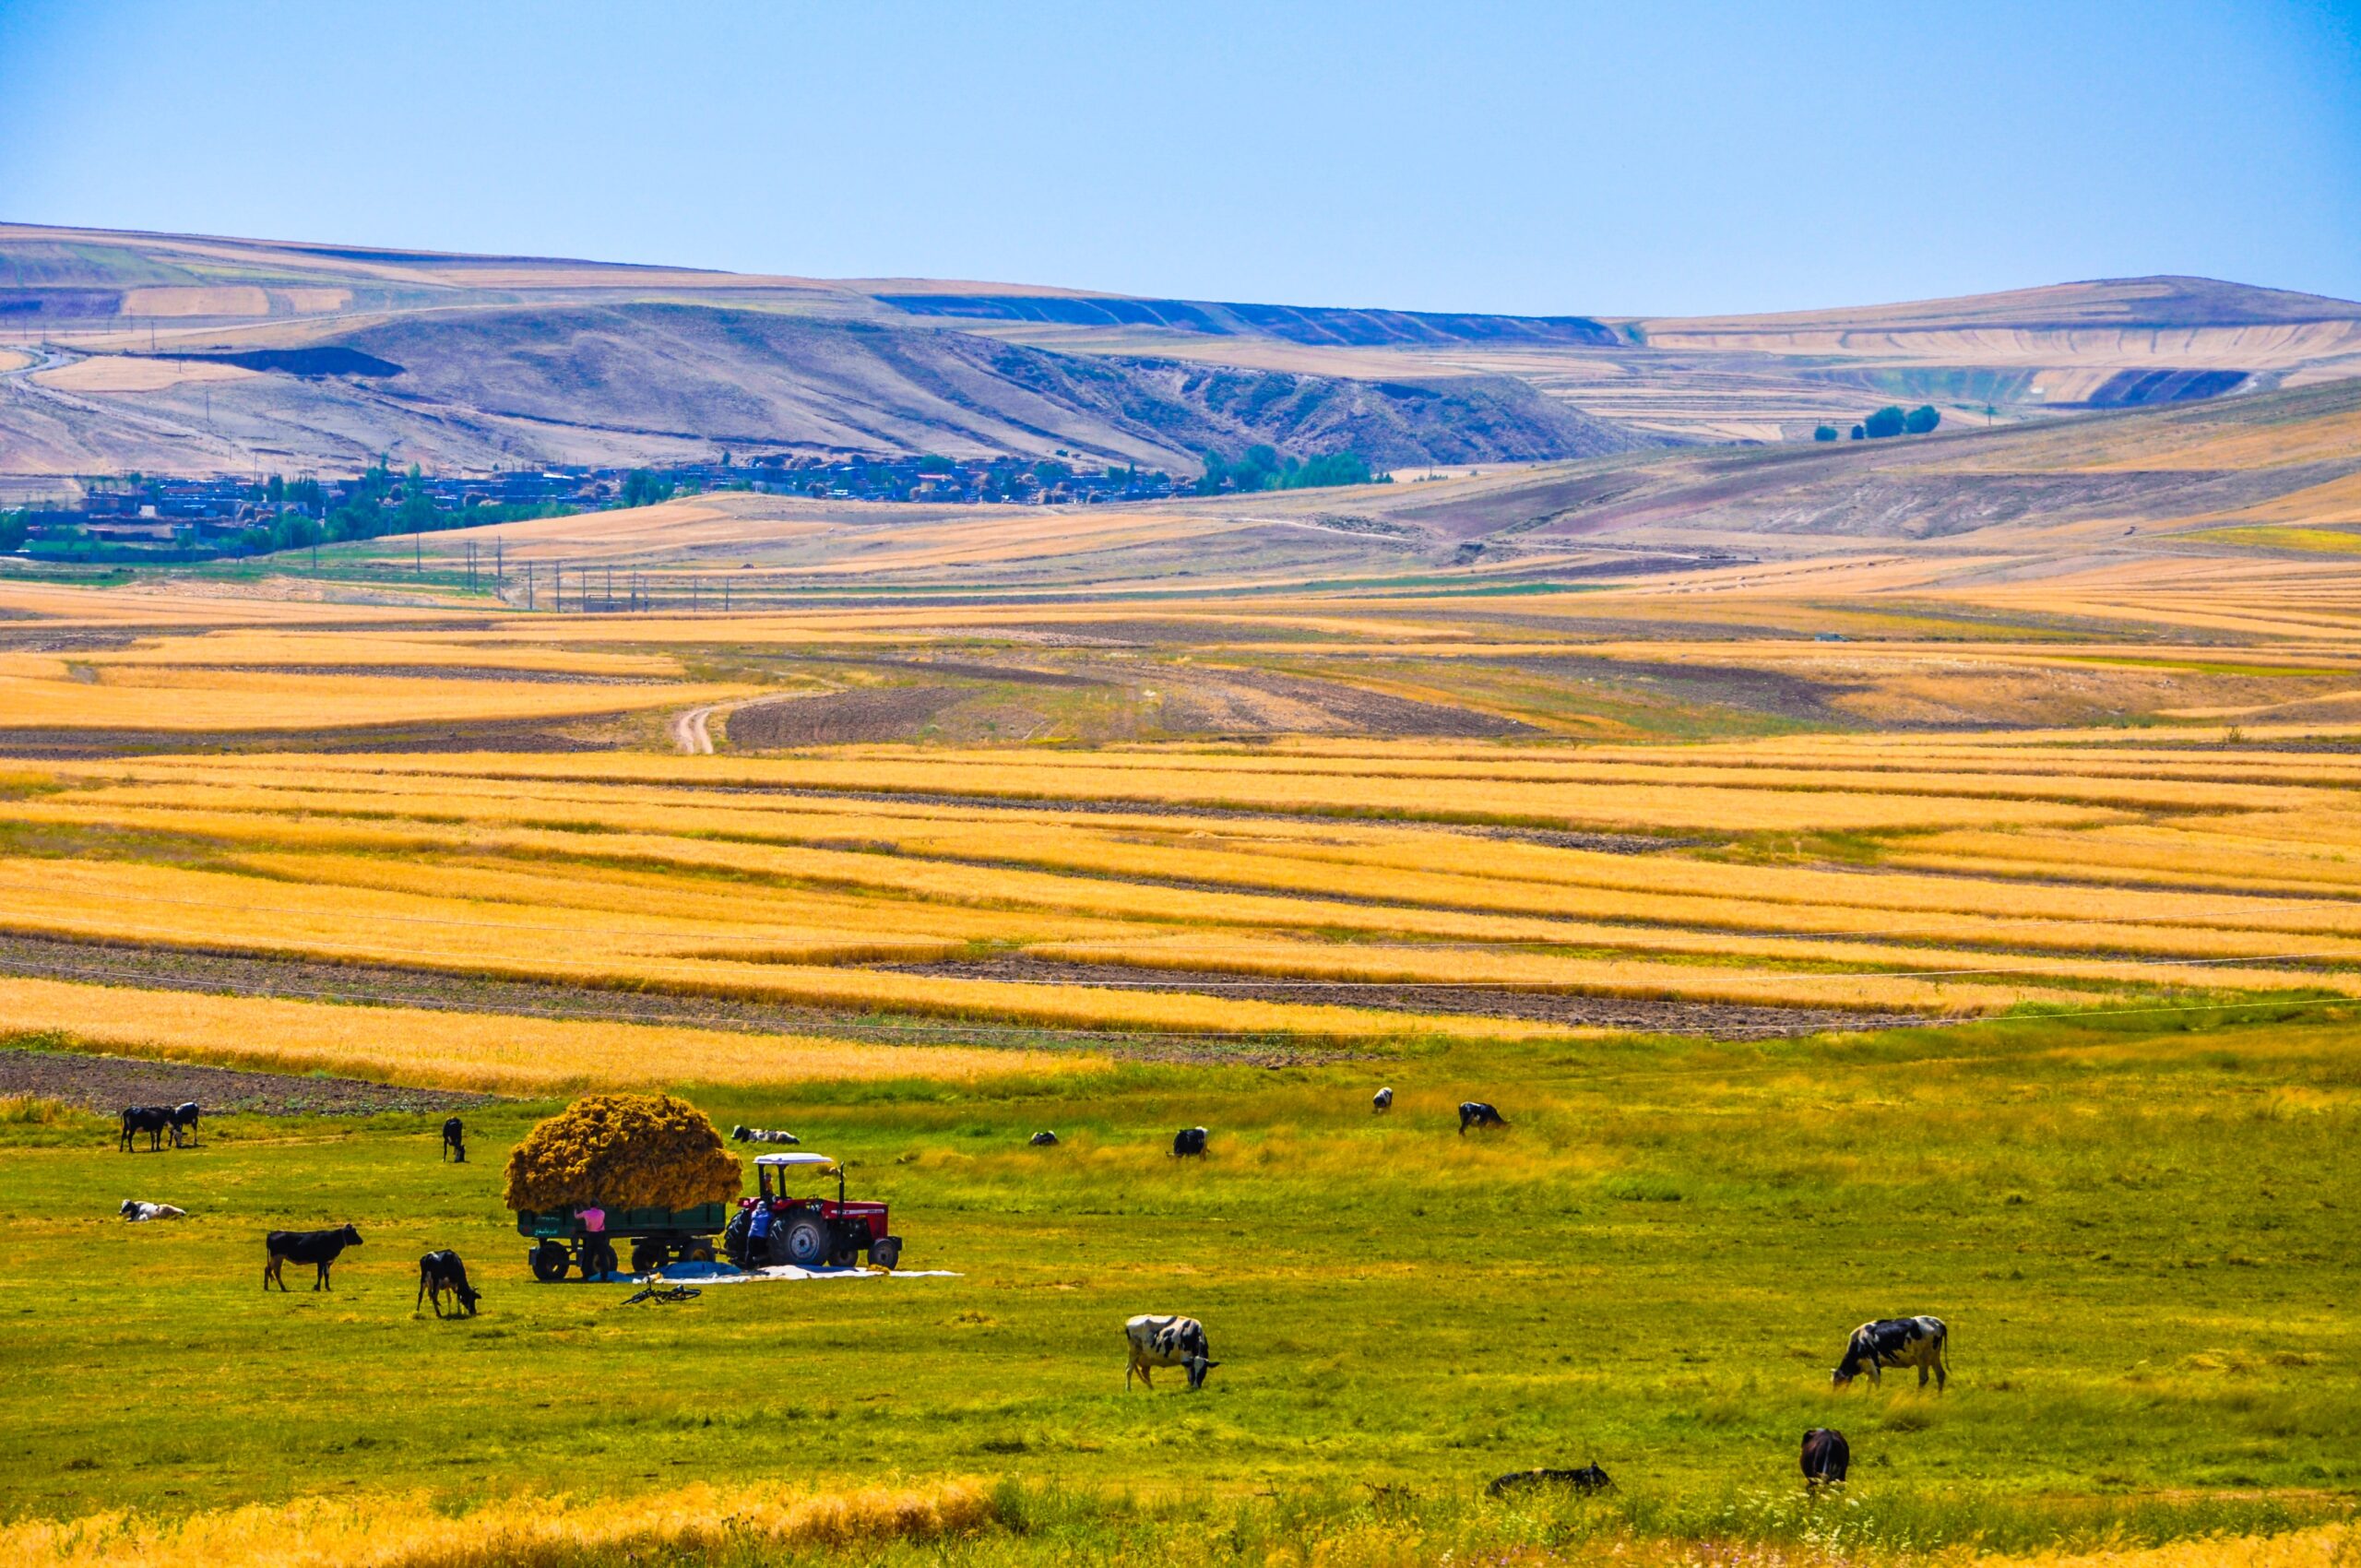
<point x="187" y="354"/>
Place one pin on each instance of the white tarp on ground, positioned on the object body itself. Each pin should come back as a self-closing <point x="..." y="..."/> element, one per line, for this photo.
<point x="723" y="1274"/>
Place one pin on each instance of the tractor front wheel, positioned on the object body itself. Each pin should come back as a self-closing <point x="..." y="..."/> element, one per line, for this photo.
<point x="886" y="1252"/>
<point x="549" y="1262"/>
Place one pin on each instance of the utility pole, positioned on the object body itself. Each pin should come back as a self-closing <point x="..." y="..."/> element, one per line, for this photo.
<point x="528" y="585"/>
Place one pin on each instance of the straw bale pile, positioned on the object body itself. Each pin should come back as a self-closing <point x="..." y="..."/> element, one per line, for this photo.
<point x="624" y="1151"/>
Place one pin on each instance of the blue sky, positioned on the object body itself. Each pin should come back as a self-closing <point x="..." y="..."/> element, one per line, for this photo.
<point x="1625" y="159"/>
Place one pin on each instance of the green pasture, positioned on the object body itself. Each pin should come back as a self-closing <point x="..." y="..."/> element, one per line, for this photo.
<point x="2144" y="1243"/>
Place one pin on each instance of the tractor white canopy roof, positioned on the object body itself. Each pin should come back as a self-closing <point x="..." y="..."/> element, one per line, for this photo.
<point x="797" y="1161"/>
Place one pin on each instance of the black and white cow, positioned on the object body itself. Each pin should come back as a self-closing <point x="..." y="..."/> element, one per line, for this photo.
<point x="762" y="1136"/>
<point x="455" y="1140"/>
<point x="1381" y="1102"/>
<point x="1476" y="1113"/>
<point x="1589" y="1479"/>
<point x="438" y="1271"/>
<point x="1189" y="1141"/>
<point x="152" y="1120"/>
<point x="183" y="1117"/>
<point x="137" y="1212"/>
<point x="1895" y="1342"/>
<point x="1826" y="1457"/>
<point x="1043" y="1140"/>
<point x="1158" y="1341"/>
<point x="318" y="1248"/>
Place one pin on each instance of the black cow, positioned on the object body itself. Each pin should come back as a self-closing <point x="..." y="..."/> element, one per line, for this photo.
<point x="455" y="1141"/>
<point x="152" y="1120"/>
<point x="183" y="1117"/>
<point x="1826" y="1457"/>
<point x="1189" y="1141"/>
<point x="318" y="1248"/>
<point x="1476" y="1113"/>
<point x="1895" y="1342"/>
<point x="1381" y="1102"/>
<point x="1043" y="1140"/>
<point x="438" y="1271"/>
<point x="1589" y="1479"/>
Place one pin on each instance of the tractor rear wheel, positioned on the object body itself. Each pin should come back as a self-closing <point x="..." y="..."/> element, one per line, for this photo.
<point x="549" y="1260"/>
<point x="802" y="1239"/>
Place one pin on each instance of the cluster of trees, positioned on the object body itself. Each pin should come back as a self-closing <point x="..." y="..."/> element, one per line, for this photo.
<point x="376" y="505"/>
<point x="1262" y="468"/>
<point x="12" y="532"/>
<point x="1887" y="421"/>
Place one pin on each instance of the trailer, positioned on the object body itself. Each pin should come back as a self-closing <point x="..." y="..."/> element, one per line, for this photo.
<point x="582" y="1238"/>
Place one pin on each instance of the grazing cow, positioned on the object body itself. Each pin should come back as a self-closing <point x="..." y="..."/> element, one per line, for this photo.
<point x="318" y="1248"/>
<point x="1381" y="1102"/>
<point x="1895" y="1342"/>
<point x="152" y="1120"/>
<point x="438" y="1271"/>
<point x="1476" y="1113"/>
<point x="1189" y="1141"/>
<point x="1826" y="1457"/>
<point x="1167" y="1342"/>
<point x="1043" y="1140"/>
<point x="1589" y="1479"/>
<point x="135" y="1211"/>
<point x="762" y="1136"/>
<point x="455" y="1141"/>
<point x="183" y="1117"/>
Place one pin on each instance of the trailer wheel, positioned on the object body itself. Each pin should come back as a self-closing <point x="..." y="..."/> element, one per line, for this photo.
<point x="646" y="1256"/>
<point x="598" y="1257"/>
<point x="548" y="1263"/>
<point x="886" y="1252"/>
<point x="698" y="1251"/>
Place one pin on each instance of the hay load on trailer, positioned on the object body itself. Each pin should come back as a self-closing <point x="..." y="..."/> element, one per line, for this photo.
<point x="646" y="1169"/>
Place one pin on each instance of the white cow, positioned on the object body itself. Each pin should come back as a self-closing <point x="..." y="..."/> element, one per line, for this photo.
<point x="1160" y="1341"/>
<point x="135" y="1211"/>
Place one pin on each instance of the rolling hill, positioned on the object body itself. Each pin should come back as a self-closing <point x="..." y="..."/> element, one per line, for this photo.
<point x="191" y="353"/>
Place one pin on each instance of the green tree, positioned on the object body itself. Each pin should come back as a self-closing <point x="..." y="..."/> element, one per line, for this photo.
<point x="1885" y="422"/>
<point x="1921" y="420"/>
<point x="1825" y="432"/>
<point x="12" y="532"/>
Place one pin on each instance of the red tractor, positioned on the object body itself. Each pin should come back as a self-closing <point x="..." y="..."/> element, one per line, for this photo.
<point x="810" y="1232"/>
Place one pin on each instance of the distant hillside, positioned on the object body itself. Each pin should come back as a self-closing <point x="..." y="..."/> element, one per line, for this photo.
<point x="653" y="383"/>
<point x="1291" y="324"/>
<point x="181" y="352"/>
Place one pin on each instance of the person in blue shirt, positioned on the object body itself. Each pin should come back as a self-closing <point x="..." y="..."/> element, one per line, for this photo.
<point x="758" y="1234"/>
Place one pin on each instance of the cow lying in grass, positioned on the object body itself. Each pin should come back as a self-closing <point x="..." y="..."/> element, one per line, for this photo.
<point x="1158" y="1341"/>
<point x="135" y="1211"/>
<point x="762" y="1136"/>
<point x="1895" y="1342"/>
<point x="1589" y="1479"/>
<point x="438" y="1271"/>
<point x="318" y="1248"/>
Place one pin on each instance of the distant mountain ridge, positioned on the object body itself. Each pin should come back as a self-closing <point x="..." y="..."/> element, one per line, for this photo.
<point x="176" y="352"/>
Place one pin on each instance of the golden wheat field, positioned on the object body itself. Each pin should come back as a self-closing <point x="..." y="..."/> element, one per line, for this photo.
<point x="1674" y="867"/>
